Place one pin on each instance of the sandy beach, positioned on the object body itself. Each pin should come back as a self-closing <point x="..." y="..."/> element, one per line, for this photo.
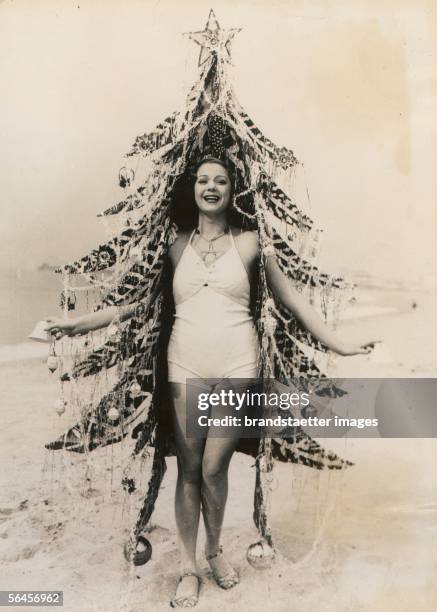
<point x="360" y="540"/>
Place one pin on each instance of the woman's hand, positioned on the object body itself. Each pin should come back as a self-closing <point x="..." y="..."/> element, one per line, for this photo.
<point x="308" y="317"/>
<point x="60" y="327"/>
<point x="347" y="349"/>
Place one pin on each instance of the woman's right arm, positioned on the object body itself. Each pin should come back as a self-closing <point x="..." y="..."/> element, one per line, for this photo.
<point x="89" y="322"/>
<point x="75" y="326"/>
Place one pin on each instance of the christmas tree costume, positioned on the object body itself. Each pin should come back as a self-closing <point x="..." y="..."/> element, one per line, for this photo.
<point x="133" y="268"/>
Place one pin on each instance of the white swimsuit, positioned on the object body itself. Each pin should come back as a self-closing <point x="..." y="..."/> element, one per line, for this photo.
<point x="213" y="334"/>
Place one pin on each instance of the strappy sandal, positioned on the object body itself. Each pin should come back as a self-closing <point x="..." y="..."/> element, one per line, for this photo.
<point x="187" y="601"/>
<point x="229" y="580"/>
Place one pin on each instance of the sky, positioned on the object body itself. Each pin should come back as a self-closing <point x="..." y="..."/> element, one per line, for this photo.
<point x="349" y="86"/>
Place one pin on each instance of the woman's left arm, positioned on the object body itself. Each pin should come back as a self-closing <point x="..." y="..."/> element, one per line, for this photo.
<point x="308" y="317"/>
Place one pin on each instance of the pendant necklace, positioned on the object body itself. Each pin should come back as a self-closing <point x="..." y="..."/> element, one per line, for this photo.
<point x="210" y="256"/>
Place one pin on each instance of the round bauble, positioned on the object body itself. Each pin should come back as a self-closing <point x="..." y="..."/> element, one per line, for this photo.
<point x="52" y="363"/>
<point x="135" y="389"/>
<point x="113" y="414"/>
<point x="60" y="406"/>
<point x="260" y="555"/>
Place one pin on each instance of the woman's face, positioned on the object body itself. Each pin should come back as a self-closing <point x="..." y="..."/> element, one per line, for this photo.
<point x="212" y="189"/>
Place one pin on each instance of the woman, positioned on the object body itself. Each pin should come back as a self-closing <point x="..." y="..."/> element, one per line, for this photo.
<point x="213" y="336"/>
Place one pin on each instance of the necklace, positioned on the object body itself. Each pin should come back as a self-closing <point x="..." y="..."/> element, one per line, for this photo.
<point x="210" y="256"/>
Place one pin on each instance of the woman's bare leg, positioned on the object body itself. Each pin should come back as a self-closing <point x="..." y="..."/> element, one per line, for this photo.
<point x="187" y="498"/>
<point x="216" y="458"/>
<point x="215" y="465"/>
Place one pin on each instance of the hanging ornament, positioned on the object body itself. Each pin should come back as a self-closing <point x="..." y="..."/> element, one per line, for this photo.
<point x="68" y="299"/>
<point x="140" y="310"/>
<point x="113" y="331"/>
<point x="104" y="258"/>
<point x="269" y="320"/>
<point x="260" y="555"/>
<point x="113" y="414"/>
<point x="125" y="177"/>
<point x="52" y="363"/>
<point x="269" y="323"/>
<point x="60" y="406"/>
<point x="138" y="551"/>
<point x="135" y="389"/>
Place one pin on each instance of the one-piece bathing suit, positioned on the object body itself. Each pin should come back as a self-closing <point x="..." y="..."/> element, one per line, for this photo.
<point x="213" y="334"/>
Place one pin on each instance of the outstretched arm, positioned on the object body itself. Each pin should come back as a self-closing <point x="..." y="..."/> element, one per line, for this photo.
<point x="302" y="310"/>
<point x="89" y="322"/>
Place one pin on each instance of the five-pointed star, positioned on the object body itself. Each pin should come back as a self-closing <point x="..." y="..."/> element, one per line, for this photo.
<point x="213" y="39"/>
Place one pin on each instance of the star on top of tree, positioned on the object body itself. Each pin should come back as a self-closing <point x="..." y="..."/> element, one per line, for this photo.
<point x="214" y="40"/>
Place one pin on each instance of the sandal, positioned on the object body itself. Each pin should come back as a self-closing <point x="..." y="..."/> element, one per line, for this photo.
<point x="230" y="579"/>
<point x="187" y="601"/>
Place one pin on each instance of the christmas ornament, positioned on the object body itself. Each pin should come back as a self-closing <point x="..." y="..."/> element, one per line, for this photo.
<point x="213" y="40"/>
<point x="135" y="389"/>
<point x="113" y="330"/>
<point x="104" y="258"/>
<point x="68" y="299"/>
<point x="140" y="310"/>
<point x="125" y="177"/>
<point x="113" y="414"/>
<point x="260" y="555"/>
<point x="60" y="406"/>
<point x="52" y="363"/>
<point x="138" y="550"/>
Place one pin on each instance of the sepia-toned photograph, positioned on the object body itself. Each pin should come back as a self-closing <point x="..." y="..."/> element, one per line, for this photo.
<point x="218" y="338"/>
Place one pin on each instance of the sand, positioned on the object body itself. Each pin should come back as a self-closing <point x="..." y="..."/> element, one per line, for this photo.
<point x="360" y="540"/>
